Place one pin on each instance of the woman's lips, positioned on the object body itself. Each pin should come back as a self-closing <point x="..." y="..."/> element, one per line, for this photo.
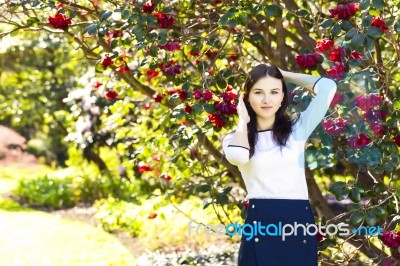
<point x="266" y="108"/>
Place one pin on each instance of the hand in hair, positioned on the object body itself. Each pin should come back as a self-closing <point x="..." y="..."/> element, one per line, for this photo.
<point x="242" y="111"/>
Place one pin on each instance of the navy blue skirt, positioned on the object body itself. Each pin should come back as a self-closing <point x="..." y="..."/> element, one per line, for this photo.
<point x="266" y="247"/>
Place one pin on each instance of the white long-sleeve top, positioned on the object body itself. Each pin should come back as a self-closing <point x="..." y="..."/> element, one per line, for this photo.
<point x="270" y="173"/>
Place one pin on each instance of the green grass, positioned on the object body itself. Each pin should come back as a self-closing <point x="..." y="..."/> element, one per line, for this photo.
<point x="30" y="237"/>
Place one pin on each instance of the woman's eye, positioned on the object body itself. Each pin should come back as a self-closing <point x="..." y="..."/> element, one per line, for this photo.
<point x="258" y="92"/>
<point x="274" y="92"/>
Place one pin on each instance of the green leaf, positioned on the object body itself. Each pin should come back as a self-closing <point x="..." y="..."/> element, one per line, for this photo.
<point x="366" y="21"/>
<point x="222" y="199"/>
<point x="378" y="3"/>
<point x="221" y="83"/>
<point x="396" y="105"/>
<point x="369" y="43"/>
<point x="380" y="212"/>
<point x="336" y="30"/>
<point x="374" y="32"/>
<point x="302" y="12"/>
<point x="350" y="34"/>
<point x="364" y="4"/>
<point x="104" y="15"/>
<point x="356" y="217"/>
<point x="91" y="29"/>
<point x="125" y="14"/>
<point x="327" y="23"/>
<point x="204" y="188"/>
<point x="357" y="40"/>
<point x="197" y="108"/>
<point x="370" y="218"/>
<point x="206" y="205"/>
<point x="346" y="25"/>
<point x="209" y="108"/>
<point x="355" y="195"/>
<point x="272" y="11"/>
<point x="153" y="50"/>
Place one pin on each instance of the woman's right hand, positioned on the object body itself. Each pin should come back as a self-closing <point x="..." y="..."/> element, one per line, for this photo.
<point x="242" y="111"/>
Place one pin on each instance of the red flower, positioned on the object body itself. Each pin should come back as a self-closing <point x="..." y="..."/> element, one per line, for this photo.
<point x="324" y="45"/>
<point x="356" y="56"/>
<point x="337" y="54"/>
<point x="363" y="140"/>
<point x="106" y="62"/>
<point x="377" y="127"/>
<point x="158" y="97"/>
<point x="172" y="68"/>
<point x="217" y="120"/>
<point x="142" y="167"/>
<point x="172" y="45"/>
<point x="111" y="95"/>
<point x="182" y="94"/>
<point x="344" y="11"/>
<point x="334" y="126"/>
<point x="96" y="84"/>
<point x="320" y="237"/>
<point x="358" y="141"/>
<point x="309" y="60"/>
<point x="151" y="74"/>
<point x="228" y="95"/>
<point x="166" y="177"/>
<point x="171" y="91"/>
<point x="149" y="7"/>
<point x="152" y="216"/>
<point x="60" y="21"/>
<point x="367" y="102"/>
<point x="396" y="140"/>
<point x="197" y="94"/>
<point x="164" y="20"/>
<point x="210" y="54"/>
<point x="227" y="108"/>
<point x="146" y="106"/>
<point x="374" y="115"/>
<point x="123" y="69"/>
<point x="188" y="109"/>
<point x="193" y="53"/>
<point x="337" y="71"/>
<point x="338" y="98"/>
<point x="114" y="34"/>
<point x="246" y="204"/>
<point x="391" y="239"/>
<point x="379" y="23"/>
<point x="207" y="95"/>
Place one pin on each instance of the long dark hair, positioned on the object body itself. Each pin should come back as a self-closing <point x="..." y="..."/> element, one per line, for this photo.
<point x="282" y="124"/>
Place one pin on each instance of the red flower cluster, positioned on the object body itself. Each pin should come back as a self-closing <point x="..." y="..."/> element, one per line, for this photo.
<point x="359" y="141"/>
<point x="142" y="167"/>
<point x="379" y="23"/>
<point x="151" y="74"/>
<point x="172" y="68"/>
<point x="338" y="98"/>
<point x="391" y="239"/>
<point x="217" y="120"/>
<point x="96" y="84"/>
<point x="206" y="95"/>
<point x="111" y="95"/>
<point x="149" y="7"/>
<point x="377" y="127"/>
<point x="368" y="102"/>
<point x="188" y="109"/>
<point x="123" y="69"/>
<point x="158" y="97"/>
<point x="396" y="140"/>
<point x="374" y="115"/>
<point x="114" y="33"/>
<point x="334" y="126"/>
<point x="106" y="62"/>
<point x="164" y="20"/>
<point x="60" y="21"/>
<point x="210" y="54"/>
<point x="337" y="54"/>
<point x="356" y="56"/>
<point x="337" y="71"/>
<point x="309" y="60"/>
<point x="166" y="177"/>
<point x="324" y="45"/>
<point x="344" y="11"/>
<point x="171" y="46"/>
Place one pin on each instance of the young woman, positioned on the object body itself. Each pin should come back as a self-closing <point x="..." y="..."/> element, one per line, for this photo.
<point x="268" y="149"/>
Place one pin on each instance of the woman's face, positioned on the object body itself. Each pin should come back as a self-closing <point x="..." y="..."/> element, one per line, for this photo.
<point x="266" y="96"/>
